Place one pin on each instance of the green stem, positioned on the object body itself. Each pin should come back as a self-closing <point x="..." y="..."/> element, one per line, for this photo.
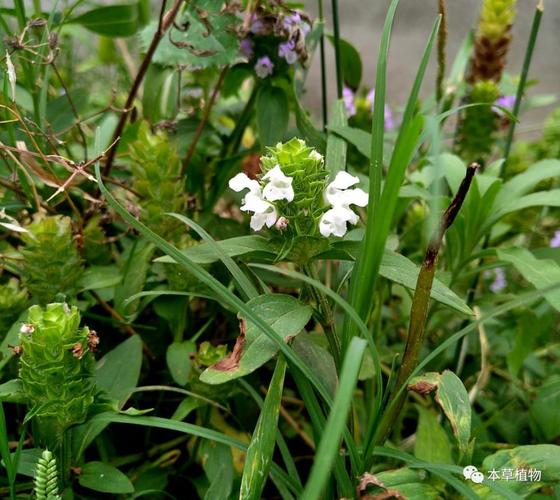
<point x="338" y="62"/>
<point x="324" y="96"/>
<point x="522" y="82"/>
<point x="419" y="314"/>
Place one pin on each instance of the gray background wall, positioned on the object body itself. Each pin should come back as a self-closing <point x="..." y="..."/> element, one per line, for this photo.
<point x="362" y="21"/>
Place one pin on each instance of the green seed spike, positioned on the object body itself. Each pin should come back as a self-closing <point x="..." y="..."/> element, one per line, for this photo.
<point x="51" y="262"/>
<point x="46" y="477"/>
<point x="156" y="169"/>
<point x="476" y="131"/>
<point x="56" y="366"/>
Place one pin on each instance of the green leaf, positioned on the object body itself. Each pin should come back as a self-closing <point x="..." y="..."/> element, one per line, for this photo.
<point x="272" y="114"/>
<point x="118" y="371"/>
<point x="355" y="136"/>
<point x="318" y="358"/>
<point x="209" y="41"/>
<point x="541" y="457"/>
<point x="453" y="399"/>
<point x="546" y="408"/>
<point x="10" y="339"/>
<point x="540" y="273"/>
<point x="304" y="124"/>
<point x="179" y="361"/>
<point x="104" y="478"/>
<point x="28" y="461"/>
<point x="336" y="421"/>
<point x="336" y="146"/>
<point x="159" y="100"/>
<point x="408" y="483"/>
<point x="12" y="391"/>
<point x="111" y="21"/>
<point x="218" y="467"/>
<point x="98" y="277"/>
<point x="259" y="455"/>
<point x="432" y="444"/>
<point x="351" y="63"/>
<point x="285" y="315"/>
<point x="241" y="246"/>
<point x="135" y="263"/>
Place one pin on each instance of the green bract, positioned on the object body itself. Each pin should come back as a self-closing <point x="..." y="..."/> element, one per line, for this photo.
<point x="307" y="169"/>
<point x="51" y="263"/>
<point x="56" y="365"/>
<point x="496" y="18"/>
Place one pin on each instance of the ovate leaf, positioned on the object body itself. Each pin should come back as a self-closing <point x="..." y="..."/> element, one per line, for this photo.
<point x="112" y="20"/>
<point x="286" y="315"/>
<point x="104" y="478"/>
<point x="432" y="444"/>
<point x="272" y="110"/>
<point x="179" y="361"/>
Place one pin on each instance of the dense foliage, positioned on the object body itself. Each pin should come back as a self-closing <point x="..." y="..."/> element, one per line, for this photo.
<point x="206" y="294"/>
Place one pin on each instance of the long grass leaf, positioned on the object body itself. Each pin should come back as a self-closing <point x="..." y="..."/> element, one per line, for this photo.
<point x="259" y="454"/>
<point x="336" y="422"/>
<point x="382" y="207"/>
<point x="244" y="285"/>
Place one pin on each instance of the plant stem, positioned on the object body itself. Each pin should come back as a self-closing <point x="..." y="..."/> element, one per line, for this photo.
<point x="202" y="123"/>
<point x="441" y="49"/>
<point x="165" y="21"/>
<point x="324" y="96"/>
<point x="338" y="62"/>
<point x="419" y="310"/>
<point x="522" y="83"/>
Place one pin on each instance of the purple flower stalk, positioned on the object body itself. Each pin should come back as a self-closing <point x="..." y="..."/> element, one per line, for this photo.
<point x="500" y="281"/>
<point x="263" y="67"/>
<point x="388" y="114"/>
<point x="246" y="46"/>
<point x="506" y="101"/>
<point x="287" y="51"/>
<point x="348" y="99"/>
<point x="555" y="241"/>
<point x="257" y="25"/>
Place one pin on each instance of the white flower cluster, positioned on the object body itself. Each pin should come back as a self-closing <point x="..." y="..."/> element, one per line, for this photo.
<point x="340" y="197"/>
<point x="278" y="186"/>
<point x="258" y="200"/>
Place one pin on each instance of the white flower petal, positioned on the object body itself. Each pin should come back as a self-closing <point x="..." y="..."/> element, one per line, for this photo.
<point x="315" y="155"/>
<point x="268" y="218"/>
<point x="359" y="197"/>
<point x="241" y="182"/>
<point x="343" y="180"/>
<point x="334" y="221"/>
<point x="279" y="186"/>
<point x="11" y="75"/>
<point x="253" y="202"/>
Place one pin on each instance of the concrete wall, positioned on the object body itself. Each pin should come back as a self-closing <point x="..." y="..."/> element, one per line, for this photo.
<point x="362" y="22"/>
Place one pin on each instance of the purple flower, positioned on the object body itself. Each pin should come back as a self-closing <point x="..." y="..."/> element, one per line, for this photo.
<point x="246" y="47"/>
<point x="348" y="99"/>
<point x="291" y="21"/>
<point x="263" y="67"/>
<point x="257" y="25"/>
<point x="500" y="281"/>
<point x="555" y="241"/>
<point x="287" y="51"/>
<point x="506" y="101"/>
<point x="389" y="119"/>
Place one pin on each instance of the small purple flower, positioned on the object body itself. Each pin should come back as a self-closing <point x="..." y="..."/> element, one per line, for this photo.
<point x="257" y="25"/>
<point x="555" y="241"/>
<point x="348" y="99"/>
<point x="287" y="51"/>
<point x="389" y="119"/>
<point x="263" y="67"/>
<point x="500" y="281"/>
<point x="291" y="21"/>
<point x="506" y="101"/>
<point x="247" y="45"/>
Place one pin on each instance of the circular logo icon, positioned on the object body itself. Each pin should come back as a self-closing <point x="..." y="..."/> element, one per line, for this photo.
<point x="477" y="477"/>
<point x="469" y="470"/>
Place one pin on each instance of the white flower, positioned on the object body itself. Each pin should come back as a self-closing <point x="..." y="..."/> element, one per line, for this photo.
<point x="340" y="198"/>
<point x="279" y="186"/>
<point x="241" y="182"/>
<point x="337" y="192"/>
<point x="334" y="221"/>
<point x="315" y="155"/>
<point x="264" y="213"/>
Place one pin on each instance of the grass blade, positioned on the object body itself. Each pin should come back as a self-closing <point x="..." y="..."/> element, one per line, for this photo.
<point x="244" y="285"/>
<point x="336" y="146"/>
<point x="382" y="207"/>
<point x="259" y="453"/>
<point x="336" y="422"/>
